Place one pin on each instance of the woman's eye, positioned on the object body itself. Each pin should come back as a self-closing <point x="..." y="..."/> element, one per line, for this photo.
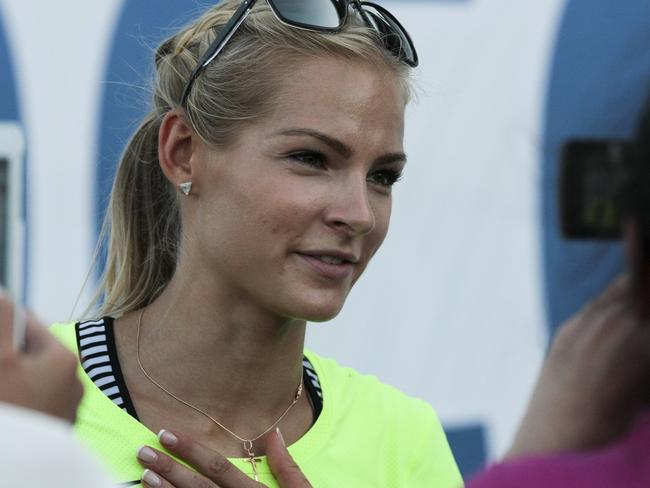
<point x="385" y="178"/>
<point x="309" y="158"/>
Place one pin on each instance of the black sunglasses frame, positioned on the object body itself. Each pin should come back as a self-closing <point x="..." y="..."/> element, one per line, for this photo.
<point x="342" y="7"/>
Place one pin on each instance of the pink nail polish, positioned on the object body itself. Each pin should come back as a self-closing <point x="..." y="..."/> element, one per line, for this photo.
<point x="147" y="454"/>
<point x="167" y="438"/>
<point x="151" y="478"/>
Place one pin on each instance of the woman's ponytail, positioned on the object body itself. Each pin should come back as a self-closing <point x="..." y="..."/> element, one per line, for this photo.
<point x="143" y="222"/>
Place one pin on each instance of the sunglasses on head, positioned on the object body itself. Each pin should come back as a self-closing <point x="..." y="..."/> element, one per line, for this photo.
<point x="316" y="15"/>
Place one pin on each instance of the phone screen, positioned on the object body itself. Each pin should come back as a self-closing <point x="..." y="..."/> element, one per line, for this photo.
<point x="4" y="219"/>
<point x="12" y="222"/>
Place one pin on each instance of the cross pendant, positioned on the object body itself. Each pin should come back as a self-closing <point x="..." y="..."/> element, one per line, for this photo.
<point x="248" y="447"/>
<point x="253" y="462"/>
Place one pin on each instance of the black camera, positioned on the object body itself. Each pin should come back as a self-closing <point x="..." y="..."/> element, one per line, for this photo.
<point x="594" y="176"/>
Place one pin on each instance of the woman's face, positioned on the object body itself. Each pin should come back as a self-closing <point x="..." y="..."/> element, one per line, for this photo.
<point x="289" y="215"/>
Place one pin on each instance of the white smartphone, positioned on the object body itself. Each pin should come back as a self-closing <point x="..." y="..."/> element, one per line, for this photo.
<point x="12" y="222"/>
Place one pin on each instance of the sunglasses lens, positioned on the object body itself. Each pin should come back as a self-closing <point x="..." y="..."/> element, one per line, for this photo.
<point x="310" y="13"/>
<point x="392" y="34"/>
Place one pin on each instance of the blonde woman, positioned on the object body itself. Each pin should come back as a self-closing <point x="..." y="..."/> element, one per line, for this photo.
<point x="249" y="202"/>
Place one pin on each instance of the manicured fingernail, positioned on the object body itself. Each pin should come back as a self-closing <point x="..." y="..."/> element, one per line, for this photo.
<point x="151" y="478"/>
<point x="147" y="454"/>
<point x="277" y="431"/>
<point x="167" y="438"/>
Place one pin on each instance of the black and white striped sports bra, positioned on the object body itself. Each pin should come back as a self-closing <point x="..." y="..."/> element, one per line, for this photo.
<point x="98" y="355"/>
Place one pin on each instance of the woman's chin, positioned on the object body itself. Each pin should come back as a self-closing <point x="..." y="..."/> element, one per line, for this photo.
<point x="311" y="305"/>
<point x="318" y="312"/>
<point x="322" y="317"/>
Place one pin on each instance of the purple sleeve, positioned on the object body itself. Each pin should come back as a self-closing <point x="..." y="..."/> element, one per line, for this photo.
<point x="593" y="470"/>
<point x="625" y="463"/>
<point x="502" y="475"/>
<point x="538" y="472"/>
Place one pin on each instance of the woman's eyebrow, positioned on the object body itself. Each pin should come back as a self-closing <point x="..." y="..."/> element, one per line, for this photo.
<point x="337" y="145"/>
<point x="390" y="158"/>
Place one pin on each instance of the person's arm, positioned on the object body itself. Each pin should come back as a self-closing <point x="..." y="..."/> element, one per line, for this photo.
<point x="43" y="377"/>
<point x="593" y="381"/>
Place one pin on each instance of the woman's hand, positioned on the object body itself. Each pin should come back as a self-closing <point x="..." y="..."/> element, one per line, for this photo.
<point x="593" y="381"/>
<point x="42" y="377"/>
<point x="212" y="469"/>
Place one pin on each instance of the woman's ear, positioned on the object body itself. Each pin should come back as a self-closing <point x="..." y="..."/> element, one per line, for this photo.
<point x="175" y="146"/>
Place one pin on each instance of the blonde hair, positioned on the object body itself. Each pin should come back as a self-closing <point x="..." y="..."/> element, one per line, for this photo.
<point x="142" y="225"/>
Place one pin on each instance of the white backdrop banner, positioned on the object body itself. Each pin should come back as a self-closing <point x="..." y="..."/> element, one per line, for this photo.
<point x="458" y="305"/>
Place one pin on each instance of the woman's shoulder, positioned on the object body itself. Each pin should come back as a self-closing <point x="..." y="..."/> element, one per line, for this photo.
<point x="368" y="399"/>
<point x="66" y="332"/>
<point x="378" y="414"/>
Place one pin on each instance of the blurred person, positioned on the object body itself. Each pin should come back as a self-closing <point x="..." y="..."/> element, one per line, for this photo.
<point x="588" y="420"/>
<point x="39" y="394"/>
<point x="249" y="202"/>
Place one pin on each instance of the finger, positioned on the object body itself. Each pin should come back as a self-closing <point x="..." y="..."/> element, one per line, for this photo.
<point x="595" y="317"/>
<point x="171" y="470"/>
<point x="37" y="337"/>
<point x="6" y="324"/>
<point x="593" y="338"/>
<point x="616" y="292"/>
<point x="151" y="479"/>
<point x="615" y="325"/>
<point x="206" y="461"/>
<point x="282" y="464"/>
<point x="618" y="287"/>
<point x="620" y="284"/>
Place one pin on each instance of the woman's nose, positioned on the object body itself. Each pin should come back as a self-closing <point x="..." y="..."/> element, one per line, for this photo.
<point x="349" y="209"/>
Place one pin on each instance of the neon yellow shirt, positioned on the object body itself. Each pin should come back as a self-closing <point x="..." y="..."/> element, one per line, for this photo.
<point x="368" y="434"/>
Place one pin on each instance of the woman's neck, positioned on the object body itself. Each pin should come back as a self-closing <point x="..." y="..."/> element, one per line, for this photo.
<point x="215" y="351"/>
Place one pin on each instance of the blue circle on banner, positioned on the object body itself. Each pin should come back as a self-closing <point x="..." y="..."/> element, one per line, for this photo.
<point x="599" y="80"/>
<point x="142" y="26"/>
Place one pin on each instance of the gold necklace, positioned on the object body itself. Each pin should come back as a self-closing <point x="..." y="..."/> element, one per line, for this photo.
<point x="247" y="443"/>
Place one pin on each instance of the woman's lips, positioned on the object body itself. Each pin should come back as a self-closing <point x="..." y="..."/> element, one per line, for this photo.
<point x="332" y="267"/>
